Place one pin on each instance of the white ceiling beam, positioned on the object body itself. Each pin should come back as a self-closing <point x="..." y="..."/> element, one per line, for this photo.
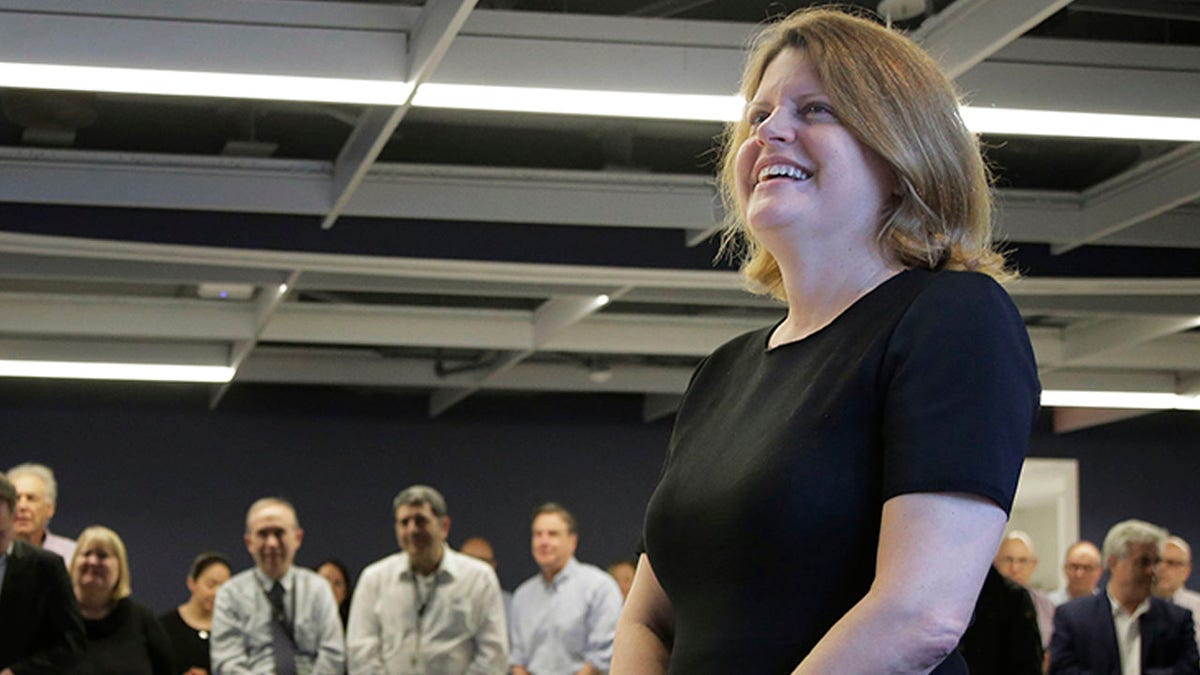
<point x="360" y="40"/>
<point x="468" y="193"/>
<point x="1109" y="305"/>
<point x="445" y="397"/>
<point x="289" y="40"/>
<point x="24" y="314"/>
<point x="1095" y="379"/>
<point x="45" y="267"/>
<point x="968" y="31"/>
<point x="271" y="365"/>
<point x="1088" y="76"/>
<point x="116" y="351"/>
<point x="400" y="326"/>
<point x="1066" y="420"/>
<point x="1141" y="193"/>
<point x="1176" y="353"/>
<point x="1097" y="338"/>
<point x="267" y="303"/>
<point x="550" y="318"/>
<point x="437" y="26"/>
<point x="1188" y="385"/>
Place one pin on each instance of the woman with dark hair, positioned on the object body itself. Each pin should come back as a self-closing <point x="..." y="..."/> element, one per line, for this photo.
<point x="188" y="627"/>
<point x="338" y="576"/>
<point x="122" y="635"/>
<point x="836" y="484"/>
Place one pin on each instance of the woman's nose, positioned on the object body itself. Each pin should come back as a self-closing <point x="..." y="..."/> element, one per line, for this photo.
<point x="775" y="127"/>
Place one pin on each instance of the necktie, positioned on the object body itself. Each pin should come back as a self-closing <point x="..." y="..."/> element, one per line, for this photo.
<point x="282" y="647"/>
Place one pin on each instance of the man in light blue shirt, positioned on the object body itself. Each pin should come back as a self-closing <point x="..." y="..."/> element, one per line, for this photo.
<point x="563" y="620"/>
<point x="276" y="619"/>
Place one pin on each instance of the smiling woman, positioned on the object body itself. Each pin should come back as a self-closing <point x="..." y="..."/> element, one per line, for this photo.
<point x="836" y="484"/>
<point x="122" y="635"/>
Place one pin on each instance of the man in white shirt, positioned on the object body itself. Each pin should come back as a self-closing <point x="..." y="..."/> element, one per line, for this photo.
<point x="276" y="619"/>
<point x="1173" y="572"/>
<point x="1124" y="630"/>
<point x="37" y="495"/>
<point x="427" y="610"/>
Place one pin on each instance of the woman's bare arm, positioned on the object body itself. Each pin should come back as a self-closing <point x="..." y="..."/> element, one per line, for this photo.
<point x="646" y="627"/>
<point x="934" y="549"/>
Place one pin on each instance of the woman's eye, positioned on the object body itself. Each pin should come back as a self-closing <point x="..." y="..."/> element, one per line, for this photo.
<point x="757" y="117"/>
<point x="817" y="108"/>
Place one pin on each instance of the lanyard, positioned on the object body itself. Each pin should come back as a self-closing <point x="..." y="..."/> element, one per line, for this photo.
<point x="421" y="606"/>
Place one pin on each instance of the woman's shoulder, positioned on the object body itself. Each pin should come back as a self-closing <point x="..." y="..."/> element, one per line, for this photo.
<point x="138" y="611"/>
<point x="171" y="619"/>
<point x="948" y="294"/>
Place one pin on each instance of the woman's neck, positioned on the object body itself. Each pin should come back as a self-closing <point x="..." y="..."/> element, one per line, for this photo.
<point x="821" y="288"/>
<point x="193" y="614"/>
<point x="95" y="604"/>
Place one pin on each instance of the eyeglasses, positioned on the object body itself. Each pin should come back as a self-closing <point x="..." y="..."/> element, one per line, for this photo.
<point x="1010" y="560"/>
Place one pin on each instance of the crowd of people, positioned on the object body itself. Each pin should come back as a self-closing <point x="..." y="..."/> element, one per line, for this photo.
<point x="427" y="609"/>
<point x="836" y="488"/>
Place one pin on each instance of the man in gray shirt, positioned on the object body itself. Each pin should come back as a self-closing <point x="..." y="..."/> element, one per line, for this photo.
<point x="276" y="619"/>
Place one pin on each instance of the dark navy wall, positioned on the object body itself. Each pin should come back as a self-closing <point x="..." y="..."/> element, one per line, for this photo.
<point x="173" y="478"/>
<point x="1147" y="467"/>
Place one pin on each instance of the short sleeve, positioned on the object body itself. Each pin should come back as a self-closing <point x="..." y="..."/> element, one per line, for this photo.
<point x="961" y="392"/>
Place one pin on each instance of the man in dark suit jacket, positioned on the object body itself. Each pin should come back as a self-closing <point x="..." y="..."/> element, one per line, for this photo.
<point x="41" y="631"/>
<point x="1095" y="634"/>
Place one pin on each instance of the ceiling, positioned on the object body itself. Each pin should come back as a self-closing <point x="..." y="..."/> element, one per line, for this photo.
<point x="462" y="253"/>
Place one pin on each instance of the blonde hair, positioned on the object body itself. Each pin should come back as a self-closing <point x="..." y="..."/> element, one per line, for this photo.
<point x="895" y="100"/>
<point x="112" y="542"/>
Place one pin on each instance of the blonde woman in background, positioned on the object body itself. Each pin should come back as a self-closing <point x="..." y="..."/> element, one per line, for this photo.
<point x="123" y="637"/>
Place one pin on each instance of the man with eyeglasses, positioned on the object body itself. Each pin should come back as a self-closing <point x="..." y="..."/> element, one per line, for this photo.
<point x="1125" y="630"/>
<point x="1016" y="560"/>
<point x="1173" y="572"/>
<point x="1082" y="567"/>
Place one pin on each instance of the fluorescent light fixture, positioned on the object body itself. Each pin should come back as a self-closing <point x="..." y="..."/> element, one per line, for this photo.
<point x="88" y="370"/>
<point x="1018" y="122"/>
<point x="196" y="83"/>
<point x="650" y="105"/>
<point x="1131" y="400"/>
<point x="711" y="108"/>
<point x="695" y="107"/>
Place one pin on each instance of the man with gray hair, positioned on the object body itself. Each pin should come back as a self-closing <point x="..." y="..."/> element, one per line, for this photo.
<point x="428" y="609"/>
<point x="1125" y="630"/>
<point x="1173" y="572"/>
<point x="37" y="494"/>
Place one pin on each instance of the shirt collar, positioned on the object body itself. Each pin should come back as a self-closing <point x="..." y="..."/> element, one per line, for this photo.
<point x="1118" y="610"/>
<point x="447" y="568"/>
<point x="563" y="574"/>
<point x="266" y="582"/>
